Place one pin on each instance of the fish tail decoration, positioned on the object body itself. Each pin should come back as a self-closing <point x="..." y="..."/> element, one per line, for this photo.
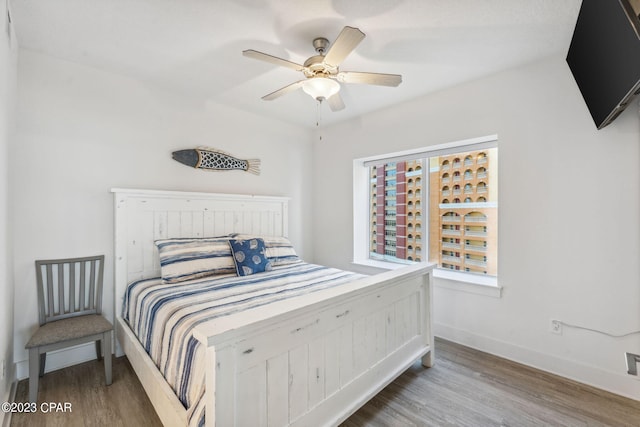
<point x="253" y="166"/>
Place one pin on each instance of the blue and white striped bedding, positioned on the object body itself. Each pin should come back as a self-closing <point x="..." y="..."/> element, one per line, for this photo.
<point x="163" y="316"/>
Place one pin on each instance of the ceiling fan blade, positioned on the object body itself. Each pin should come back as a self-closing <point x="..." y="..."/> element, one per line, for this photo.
<point x="346" y="41"/>
<point x="335" y="102"/>
<point x="283" y="91"/>
<point x="369" y="78"/>
<point x="250" y="53"/>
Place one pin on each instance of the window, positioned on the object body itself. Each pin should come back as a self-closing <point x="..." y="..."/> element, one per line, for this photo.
<point x="423" y="223"/>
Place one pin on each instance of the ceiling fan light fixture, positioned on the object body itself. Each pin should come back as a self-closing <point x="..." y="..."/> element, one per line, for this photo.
<point x="321" y="87"/>
<point x="323" y="77"/>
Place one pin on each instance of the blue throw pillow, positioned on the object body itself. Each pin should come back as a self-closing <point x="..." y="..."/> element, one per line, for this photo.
<point x="249" y="256"/>
<point x="279" y="250"/>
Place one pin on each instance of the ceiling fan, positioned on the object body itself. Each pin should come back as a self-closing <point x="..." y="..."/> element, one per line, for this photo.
<point x="323" y="76"/>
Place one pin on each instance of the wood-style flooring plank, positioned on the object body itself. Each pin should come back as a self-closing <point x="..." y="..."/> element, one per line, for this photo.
<point x="465" y="388"/>
<point x="93" y="404"/>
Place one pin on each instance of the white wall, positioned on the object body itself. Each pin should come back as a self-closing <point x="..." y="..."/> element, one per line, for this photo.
<point x="569" y="209"/>
<point x="569" y="195"/>
<point x="82" y="132"/>
<point x="8" y="66"/>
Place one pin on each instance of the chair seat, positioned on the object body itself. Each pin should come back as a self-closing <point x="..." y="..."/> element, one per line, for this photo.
<point x="69" y="329"/>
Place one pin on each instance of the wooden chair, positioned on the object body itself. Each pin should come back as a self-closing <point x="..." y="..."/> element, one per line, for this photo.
<point x="69" y="307"/>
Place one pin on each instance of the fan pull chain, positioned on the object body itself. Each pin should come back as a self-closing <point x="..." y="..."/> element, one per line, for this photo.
<point x="319" y="117"/>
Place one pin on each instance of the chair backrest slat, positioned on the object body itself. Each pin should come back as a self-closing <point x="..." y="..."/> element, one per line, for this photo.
<point x="82" y="280"/>
<point x="92" y="277"/>
<point x="50" y="288"/>
<point x="73" y="289"/>
<point x="61" y="288"/>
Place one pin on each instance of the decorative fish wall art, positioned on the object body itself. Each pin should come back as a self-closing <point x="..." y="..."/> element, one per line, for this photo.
<point x="212" y="159"/>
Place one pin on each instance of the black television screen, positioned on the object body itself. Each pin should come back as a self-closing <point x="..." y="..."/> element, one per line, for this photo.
<point x="604" y="57"/>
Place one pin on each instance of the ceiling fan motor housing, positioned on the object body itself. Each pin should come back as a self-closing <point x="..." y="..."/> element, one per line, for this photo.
<point x="315" y="65"/>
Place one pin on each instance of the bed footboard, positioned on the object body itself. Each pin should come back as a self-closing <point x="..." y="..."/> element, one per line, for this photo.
<point x="319" y="363"/>
<point x="309" y="360"/>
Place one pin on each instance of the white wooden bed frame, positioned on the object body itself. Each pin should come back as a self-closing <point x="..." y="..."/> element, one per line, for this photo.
<point x="311" y="360"/>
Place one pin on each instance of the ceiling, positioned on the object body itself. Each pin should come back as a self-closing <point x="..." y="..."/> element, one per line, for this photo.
<point x="195" y="46"/>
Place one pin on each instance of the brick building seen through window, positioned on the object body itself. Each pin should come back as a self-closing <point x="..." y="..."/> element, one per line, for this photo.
<point x="442" y="209"/>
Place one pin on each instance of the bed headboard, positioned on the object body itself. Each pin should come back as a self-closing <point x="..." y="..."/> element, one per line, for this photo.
<point x="143" y="216"/>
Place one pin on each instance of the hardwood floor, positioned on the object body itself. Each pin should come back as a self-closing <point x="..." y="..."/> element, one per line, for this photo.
<point x="123" y="403"/>
<point x="465" y="388"/>
<point x="469" y="388"/>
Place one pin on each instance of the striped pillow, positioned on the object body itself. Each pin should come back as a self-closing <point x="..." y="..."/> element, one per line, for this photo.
<point x="279" y="250"/>
<point x="187" y="258"/>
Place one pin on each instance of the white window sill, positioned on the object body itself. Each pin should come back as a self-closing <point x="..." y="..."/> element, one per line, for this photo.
<point x="446" y="279"/>
<point x="384" y="265"/>
<point x="471" y="283"/>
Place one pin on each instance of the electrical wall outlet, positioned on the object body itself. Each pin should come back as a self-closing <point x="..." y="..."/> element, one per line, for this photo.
<point x="632" y="361"/>
<point x="556" y="326"/>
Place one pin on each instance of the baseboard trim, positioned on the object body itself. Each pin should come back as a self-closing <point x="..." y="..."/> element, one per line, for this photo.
<point x="574" y="370"/>
<point x="60" y="359"/>
<point x="6" y="419"/>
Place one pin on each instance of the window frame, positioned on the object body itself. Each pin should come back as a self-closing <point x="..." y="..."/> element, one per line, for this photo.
<point x="361" y="211"/>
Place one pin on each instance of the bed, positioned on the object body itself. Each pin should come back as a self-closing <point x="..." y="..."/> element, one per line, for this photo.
<point x="312" y="359"/>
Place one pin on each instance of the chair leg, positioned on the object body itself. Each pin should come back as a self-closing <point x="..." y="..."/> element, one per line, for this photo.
<point x="43" y="362"/>
<point x="106" y="339"/>
<point x="34" y="371"/>
<point x="98" y="349"/>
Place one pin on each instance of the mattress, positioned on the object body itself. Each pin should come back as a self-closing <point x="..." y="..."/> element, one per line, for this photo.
<point x="163" y="317"/>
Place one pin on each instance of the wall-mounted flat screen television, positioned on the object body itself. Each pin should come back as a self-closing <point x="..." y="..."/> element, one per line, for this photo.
<point x="604" y="57"/>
